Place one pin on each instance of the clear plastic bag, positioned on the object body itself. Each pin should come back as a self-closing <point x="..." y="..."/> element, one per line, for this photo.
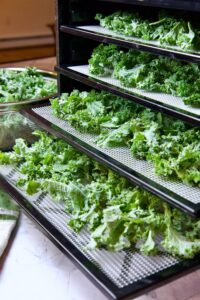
<point x="12" y="126"/>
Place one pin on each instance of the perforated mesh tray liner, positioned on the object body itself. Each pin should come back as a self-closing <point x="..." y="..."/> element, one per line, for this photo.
<point x="168" y="100"/>
<point x="182" y="193"/>
<point x="107" y="32"/>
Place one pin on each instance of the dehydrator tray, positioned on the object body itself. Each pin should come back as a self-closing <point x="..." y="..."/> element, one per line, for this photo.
<point x="119" y="275"/>
<point x="160" y="101"/>
<point x="140" y="172"/>
<point x="104" y="35"/>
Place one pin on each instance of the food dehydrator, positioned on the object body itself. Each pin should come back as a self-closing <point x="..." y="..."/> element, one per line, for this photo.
<point x="125" y="274"/>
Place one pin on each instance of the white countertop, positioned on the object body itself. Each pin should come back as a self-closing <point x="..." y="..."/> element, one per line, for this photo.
<point x="36" y="270"/>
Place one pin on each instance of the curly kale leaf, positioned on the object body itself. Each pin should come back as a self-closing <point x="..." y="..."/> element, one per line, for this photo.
<point x="103" y="60"/>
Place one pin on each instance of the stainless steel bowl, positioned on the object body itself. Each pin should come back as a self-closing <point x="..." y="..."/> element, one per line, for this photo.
<point x="12" y="124"/>
<point x="16" y="106"/>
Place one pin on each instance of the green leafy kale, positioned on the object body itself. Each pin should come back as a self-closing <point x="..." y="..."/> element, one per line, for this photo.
<point x="92" y="111"/>
<point x="171" y="145"/>
<point x="117" y="214"/>
<point x="148" y="72"/>
<point x="24" y="85"/>
<point x="166" y="29"/>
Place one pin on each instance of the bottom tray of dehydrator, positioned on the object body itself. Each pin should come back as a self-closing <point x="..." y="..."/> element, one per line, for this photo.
<point x="121" y="275"/>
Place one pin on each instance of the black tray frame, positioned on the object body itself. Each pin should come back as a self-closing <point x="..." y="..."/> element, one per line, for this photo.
<point x="192" y="5"/>
<point x="107" y="39"/>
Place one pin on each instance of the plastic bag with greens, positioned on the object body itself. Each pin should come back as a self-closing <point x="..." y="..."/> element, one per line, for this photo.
<point x="12" y="126"/>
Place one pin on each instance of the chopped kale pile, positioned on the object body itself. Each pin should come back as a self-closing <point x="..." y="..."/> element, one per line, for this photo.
<point x="171" y="145"/>
<point x="165" y="28"/>
<point x="148" y="72"/>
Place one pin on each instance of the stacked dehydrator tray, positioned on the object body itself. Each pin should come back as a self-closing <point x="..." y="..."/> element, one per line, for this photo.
<point x="125" y="274"/>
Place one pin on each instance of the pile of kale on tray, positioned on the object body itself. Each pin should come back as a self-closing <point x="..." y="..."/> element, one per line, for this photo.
<point x="148" y="72"/>
<point x="166" y="29"/>
<point x="117" y="214"/>
<point x="171" y="145"/>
